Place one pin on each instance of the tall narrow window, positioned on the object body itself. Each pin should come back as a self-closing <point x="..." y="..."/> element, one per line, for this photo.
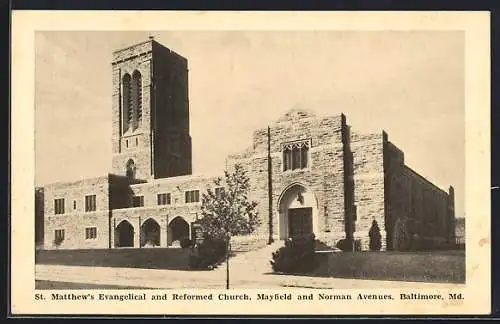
<point x="59" y="235"/>
<point x="59" y="206"/>
<point x="304" y="151"/>
<point x="296" y="163"/>
<point x="130" y="169"/>
<point x="287" y="159"/>
<point x="126" y="102"/>
<point x="90" y="203"/>
<point x="137" y="99"/>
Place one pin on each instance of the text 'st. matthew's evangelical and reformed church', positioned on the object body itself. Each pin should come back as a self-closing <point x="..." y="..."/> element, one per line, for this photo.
<point x="326" y="178"/>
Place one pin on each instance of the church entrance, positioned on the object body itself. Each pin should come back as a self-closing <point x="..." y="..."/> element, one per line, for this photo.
<point x="298" y="210"/>
<point x="124" y="235"/>
<point x="300" y="222"/>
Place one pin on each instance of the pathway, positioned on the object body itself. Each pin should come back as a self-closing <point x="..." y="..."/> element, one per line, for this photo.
<point x="247" y="270"/>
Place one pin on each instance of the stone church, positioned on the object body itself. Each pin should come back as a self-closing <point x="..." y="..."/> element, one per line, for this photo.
<point x="325" y="178"/>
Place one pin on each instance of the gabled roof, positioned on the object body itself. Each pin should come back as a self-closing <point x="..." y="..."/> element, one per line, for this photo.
<point x="296" y="113"/>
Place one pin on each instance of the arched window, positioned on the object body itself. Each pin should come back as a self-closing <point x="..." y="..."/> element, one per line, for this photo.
<point x="130" y="172"/>
<point x="296" y="155"/>
<point x="137" y="98"/>
<point x="127" y="102"/>
<point x="287" y="158"/>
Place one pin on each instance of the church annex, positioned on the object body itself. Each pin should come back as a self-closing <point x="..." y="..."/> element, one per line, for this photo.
<point x="326" y="178"/>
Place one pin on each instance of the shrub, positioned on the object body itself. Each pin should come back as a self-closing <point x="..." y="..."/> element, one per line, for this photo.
<point x="375" y="237"/>
<point x="402" y="237"/>
<point x="297" y="256"/>
<point x="58" y="241"/>
<point x="207" y="254"/>
<point x="347" y="244"/>
<point x="185" y="242"/>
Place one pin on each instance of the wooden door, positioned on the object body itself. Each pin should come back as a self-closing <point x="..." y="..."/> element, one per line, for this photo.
<point x="299" y="222"/>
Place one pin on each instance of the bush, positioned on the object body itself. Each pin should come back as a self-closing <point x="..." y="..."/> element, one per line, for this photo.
<point x="297" y="256"/>
<point x="346" y="245"/>
<point x="58" y="241"/>
<point x="375" y="237"/>
<point x="185" y="242"/>
<point x="207" y="254"/>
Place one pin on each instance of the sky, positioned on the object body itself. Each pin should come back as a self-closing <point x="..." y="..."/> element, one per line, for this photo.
<point x="408" y="83"/>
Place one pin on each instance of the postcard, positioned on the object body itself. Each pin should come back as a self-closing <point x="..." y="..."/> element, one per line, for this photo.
<point x="259" y="163"/>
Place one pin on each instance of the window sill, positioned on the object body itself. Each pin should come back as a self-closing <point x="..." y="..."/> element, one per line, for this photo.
<point x="297" y="170"/>
<point x="129" y="133"/>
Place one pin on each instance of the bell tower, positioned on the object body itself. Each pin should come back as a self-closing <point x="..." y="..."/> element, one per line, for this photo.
<point x="150" y="137"/>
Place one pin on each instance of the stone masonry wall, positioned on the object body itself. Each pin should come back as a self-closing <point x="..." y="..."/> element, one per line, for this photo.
<point x="397" y="190"/>
<point x="323" y="177"/>
<point x="172" y="142"/>
<point x="74" y="226"/>
<point x="428" y="212"/>
<point x="176" y="186"/>
<point x="75" y="219"/>
<point x="415" y="204"/>
<point x="163" y="214"/>
<point x="368" y="174"/>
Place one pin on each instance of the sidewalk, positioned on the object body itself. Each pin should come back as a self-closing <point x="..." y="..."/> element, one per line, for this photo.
<point x="173" y="279"/>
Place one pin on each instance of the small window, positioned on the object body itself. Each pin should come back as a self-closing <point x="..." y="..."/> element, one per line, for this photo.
<point x="192" y="196"/>
<point x="136" y="141"/>
<point x="90" y="233"/>
<point x="126" y="143"/>
<point x="74" y="204"/>
<point x="59" y="206"/>
<point x="164" y="199"/>
<point x="59" y="235"/>
<point x="90" y="203"/>
<point x="138" y="201"/>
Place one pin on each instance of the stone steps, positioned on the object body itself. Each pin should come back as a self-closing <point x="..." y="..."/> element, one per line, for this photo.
<point x="252" y="261"/>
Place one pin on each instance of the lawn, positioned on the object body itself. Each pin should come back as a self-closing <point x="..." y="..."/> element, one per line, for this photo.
<point x="45" y="284"/>
<point x="432" y="266"/>
<point x="146" y="258"/>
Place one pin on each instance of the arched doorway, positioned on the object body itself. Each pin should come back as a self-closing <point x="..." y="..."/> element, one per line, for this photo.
<point x="124" y="234"/>
<point x="177" y="230"/>
<point x="150" y="233"/>
<point x="298" y="209"/>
